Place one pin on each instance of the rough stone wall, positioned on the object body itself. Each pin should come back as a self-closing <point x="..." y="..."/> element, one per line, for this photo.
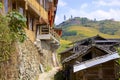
<point x="9" y="69"/>
<point x="46" y="55"/>
<point x="28" y="61"/>
<point x="23" y="63"/>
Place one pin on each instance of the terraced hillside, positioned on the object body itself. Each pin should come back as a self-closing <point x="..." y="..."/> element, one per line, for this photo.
<point x="80" y="28"/>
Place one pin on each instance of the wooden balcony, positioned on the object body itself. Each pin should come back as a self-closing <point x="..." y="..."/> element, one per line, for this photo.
<point x="38" y="9"/>
<point x="46" y="33"/>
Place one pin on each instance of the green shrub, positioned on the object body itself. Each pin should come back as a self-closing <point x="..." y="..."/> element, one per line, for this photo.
<point x="70" y="33"/>
<point x="1" y="5"/>
<point x="11" y="30"/>
<point x="5" y="39"/>
<point x="17" y="23"/>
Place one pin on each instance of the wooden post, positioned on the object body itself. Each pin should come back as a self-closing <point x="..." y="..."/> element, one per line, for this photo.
<point x="40" y="30"/>
<point x="9" y="5"/>
<point x="26" y="5"/>
<point x="84" y="75"/>
<point x="100" y="72"/>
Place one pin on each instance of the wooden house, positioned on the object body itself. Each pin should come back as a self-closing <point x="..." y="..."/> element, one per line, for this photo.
<point x="92" y="59"/>
<point x="40" y="16"/>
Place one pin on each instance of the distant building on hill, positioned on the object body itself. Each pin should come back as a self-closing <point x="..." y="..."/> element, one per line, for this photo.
<point x="93" y="58"/>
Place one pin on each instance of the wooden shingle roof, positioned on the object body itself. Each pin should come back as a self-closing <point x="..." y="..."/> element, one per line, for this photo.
<point x="84" y="50"/>
<point x="81" y="48"/>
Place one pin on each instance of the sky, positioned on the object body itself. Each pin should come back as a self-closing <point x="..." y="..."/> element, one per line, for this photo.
<point x="92" y="9"/>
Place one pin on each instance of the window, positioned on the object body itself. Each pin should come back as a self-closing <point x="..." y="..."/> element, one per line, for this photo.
<point x="14" y="6"/>
<point x="6" y="6"/>
<point x="27" y="21"/>
<point x="31" y="24"/>
<point x="50" y="0"/>
<point x="38" y="30"/>
<point x="38" y="1"/>
<point x="41" y="2"/>
<point x="46" y="5"/>
<point x="21" y="10"/>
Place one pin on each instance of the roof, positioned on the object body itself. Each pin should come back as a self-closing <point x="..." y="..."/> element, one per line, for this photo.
<point x="75" y="42"/>
<point x="68" y="49"/>
<point x="82" y="48"/>
<point x="90" y="38"/>
<point x="95" y="39"/>
<point x="83" y="51"/>
<point x="95" y="61"/>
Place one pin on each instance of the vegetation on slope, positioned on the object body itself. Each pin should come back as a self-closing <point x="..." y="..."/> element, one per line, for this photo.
<point x="64" y="45"/>
<point x="80" y="28"/>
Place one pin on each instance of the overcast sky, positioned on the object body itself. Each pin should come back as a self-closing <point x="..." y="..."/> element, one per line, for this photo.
<point x="99" y="9"/>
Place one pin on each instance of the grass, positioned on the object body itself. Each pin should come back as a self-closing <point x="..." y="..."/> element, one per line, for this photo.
<point x="64" y="45"/>
<point x="48" y="68"/>
<point x="82" y="32"/>
<point x="89" y="32"/>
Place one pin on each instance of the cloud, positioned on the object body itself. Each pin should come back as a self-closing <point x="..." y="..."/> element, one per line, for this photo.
<point x="107" y="2"/>
<point x="83" y="6"/>
<point x="101" y="14"/>
<point x="61" y="3"/>
<point x="98" y="14"/>
<point x="99" y="9"/>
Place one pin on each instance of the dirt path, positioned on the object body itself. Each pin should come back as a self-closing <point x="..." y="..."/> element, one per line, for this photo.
<point x="49" y="75"/>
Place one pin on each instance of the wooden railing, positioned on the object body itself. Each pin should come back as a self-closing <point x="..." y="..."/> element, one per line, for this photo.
<point x="38" y="8"/>
<point x="54" y="34"/>
<point x="48" y="30"/>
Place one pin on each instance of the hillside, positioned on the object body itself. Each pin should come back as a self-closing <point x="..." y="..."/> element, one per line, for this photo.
<point x="80" y="28"/>
<point x="64" y="45"/>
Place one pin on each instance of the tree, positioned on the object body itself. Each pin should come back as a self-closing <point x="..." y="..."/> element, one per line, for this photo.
<point x="64" y="17"/>
<point x="71" y="17"/>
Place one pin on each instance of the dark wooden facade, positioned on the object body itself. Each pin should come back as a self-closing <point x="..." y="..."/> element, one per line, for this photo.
<point x="91" y="59"/>
<point x="104" y="71"/>
<point x="40" y="15"/>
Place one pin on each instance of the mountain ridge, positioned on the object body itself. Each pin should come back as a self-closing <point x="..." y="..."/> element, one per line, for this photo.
<point x="79" y="28"/>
